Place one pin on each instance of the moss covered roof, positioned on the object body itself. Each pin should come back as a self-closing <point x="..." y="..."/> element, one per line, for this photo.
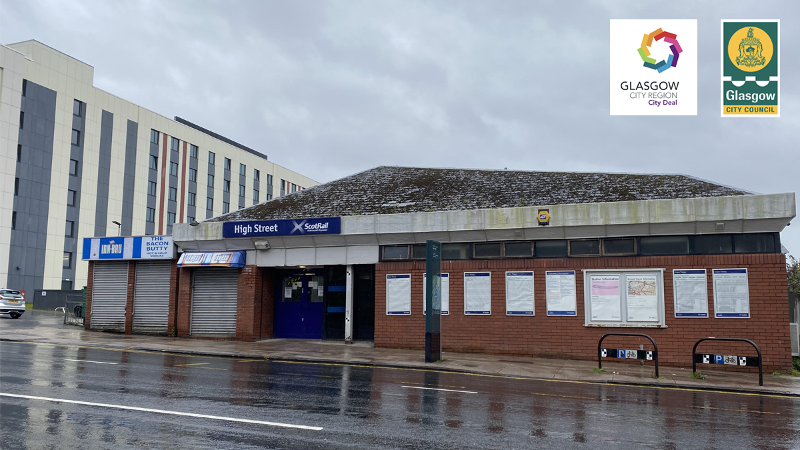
<point x="392" y="190"/>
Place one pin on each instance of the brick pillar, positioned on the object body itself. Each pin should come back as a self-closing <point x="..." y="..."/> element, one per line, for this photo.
<point x="174" y="293"/>
<point x="87" y="316"/>
<point x="248" y="309"/>
<point x="184" y="306"/>
<point x="268" y="303"/>
<point x="129" y="300"/>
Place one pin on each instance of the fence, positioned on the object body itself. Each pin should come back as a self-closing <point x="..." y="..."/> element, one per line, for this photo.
<point x="73" y="310"/>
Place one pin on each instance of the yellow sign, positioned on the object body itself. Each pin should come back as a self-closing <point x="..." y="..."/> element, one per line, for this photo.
<point x="750" y="49"/>
<point x="544" y="217"/>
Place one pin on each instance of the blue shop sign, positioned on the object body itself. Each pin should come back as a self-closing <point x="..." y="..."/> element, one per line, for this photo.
<point x="125" y="248"/>
<point x="286" y="227"/>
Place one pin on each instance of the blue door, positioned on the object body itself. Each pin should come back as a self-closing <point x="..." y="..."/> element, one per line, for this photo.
<point x="298" y="306"/>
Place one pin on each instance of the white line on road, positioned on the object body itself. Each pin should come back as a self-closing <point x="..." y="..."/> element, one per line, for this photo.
<point x="161" y="411"/>
<point x="438" y="389"/>
<point x="95" y="362"/>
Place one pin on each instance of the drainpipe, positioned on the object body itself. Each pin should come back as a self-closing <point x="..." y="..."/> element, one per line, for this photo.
<point x="348" y="312"/>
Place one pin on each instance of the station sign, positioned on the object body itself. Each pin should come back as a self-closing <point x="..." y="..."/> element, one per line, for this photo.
<point x="127" y="248"/>
<point x="284" y="227"/>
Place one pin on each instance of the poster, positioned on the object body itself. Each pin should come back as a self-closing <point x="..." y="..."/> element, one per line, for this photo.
<point x="690" y="289"/>
<point x="398" y="294"/>
<point x="477" y="293"/>
<point x="519" y="294"/>
<point x="445" y="293"/>
<point x="642" y="298"/>
<point x="731" y="293"/>
<point x="561" y="293"/>
<point x="605" y="299"/>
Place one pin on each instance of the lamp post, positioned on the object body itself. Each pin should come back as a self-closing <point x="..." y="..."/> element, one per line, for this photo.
<point x="119" y="227"/>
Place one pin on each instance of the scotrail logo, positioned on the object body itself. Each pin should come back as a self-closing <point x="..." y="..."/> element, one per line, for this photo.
<point x="647" y="43"/>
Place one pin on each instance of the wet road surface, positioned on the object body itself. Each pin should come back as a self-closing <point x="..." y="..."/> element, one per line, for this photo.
<point x="120" y="399"/>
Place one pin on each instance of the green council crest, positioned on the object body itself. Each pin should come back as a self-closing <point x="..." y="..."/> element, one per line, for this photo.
<point x="750" y="68"/>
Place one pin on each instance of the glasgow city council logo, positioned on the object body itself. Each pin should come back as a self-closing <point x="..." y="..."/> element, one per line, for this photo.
<point x="750" y="68"/>
<point x="672" y="59"/>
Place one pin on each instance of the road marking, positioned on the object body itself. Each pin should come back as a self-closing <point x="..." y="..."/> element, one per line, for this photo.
<point x="193" y="364"/>
<point x="438" y="389"/>
<point x="161" y="411"/>
<point x="738" y="410"/>
<point x="571" y="396"/>
<point x="94" y="362"/>
<point x="441" y="385"/>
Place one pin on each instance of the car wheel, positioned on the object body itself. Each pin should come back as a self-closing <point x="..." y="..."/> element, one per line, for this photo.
<point x="14" y="315"/>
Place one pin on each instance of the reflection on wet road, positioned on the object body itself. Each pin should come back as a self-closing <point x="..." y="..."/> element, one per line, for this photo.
<point x="61" y="397"/>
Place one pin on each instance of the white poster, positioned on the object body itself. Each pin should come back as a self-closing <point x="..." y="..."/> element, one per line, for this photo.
<point x="477" y="293"/>
<point x="690" y="289"/>
<point x="398" y="294"/>
<point x="605" y="299"/>
<point x="445" y="293"/>
<point x="519" y="294"/>
<point x="642" y="298"/>
<point x="561" y="293"/>
<point x="731" y="293"/>
<point x="287" y="292"/>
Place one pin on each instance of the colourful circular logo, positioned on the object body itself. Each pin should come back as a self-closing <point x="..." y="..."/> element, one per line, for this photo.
<point x="750" y="49"/>
<point x="647" y="42"/>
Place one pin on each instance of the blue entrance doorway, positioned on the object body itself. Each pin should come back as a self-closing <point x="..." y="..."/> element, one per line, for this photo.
<point x="299" y="305"/>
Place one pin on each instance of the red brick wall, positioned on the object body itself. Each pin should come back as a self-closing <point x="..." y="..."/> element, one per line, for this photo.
<point x="268" y="276"/>
<point x="184" y="306"/>
<point x="248" y="308"/>
<point x="567" y="337"/>
<point x="129" y="299"/>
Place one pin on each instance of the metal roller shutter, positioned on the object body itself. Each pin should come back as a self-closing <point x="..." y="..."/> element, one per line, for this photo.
<point x="151" y="297"/>
<point x="109" y="296"/>
<point x="214" y="294"/>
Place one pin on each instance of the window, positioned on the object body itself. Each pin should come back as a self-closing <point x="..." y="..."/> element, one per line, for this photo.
<point x="456" y="251"/>
<point x="588" y="247"/>
<point x="242" y="169"/>
<point x="69" y="229"/>
<point x="67" y="260"/>
<point x="76" y="137"/>
<point x="227" y="164"/>
<point x="193" y="175"/>
<point x="269" y="180"/>
<point x="395" y="252"/>
<point x="226" y="207"/>
<point x="192" y="151"/>
<point x="192" y="198"/>
<point x="209" y="203"/>
<point x="550" y="249"/>
<point x="211" y="158"/>
<point x="173" y="168"/>
<point x="22" y="120"/>
<point x="154" y="162"/>
<point x="488" y="250"/>
<point x="151" y="215"/>
<point x="13" y="220"/>
<point x="255" y="196"/>
<point x="151" y="188"/>
<point x="154" y="136"/>
<point x="518" y="249"/>
<point x="174" y="144"/>
<point x="754" y="243"/>
<point x="71" y="197"/>
<point x="619" y="247"/>
<point x="73" y="167"/>
<point x="24" y="88"/>
<point x="77" y="108"/>
<point x="210" y="180"/>
<point x="189" y="219"/>
<point x="173" y="194"/>
<point x="664" y="245"/>
<point x="269" y="196"/>
<point x="419" y="251"/>
<point x="713" y="244"/>
<point x="241" y="190"/>
<point x="226" y="185"/>
<point x="16" y="186"/>
<point x="294" y="187"/>
<point x="625" y="298"/>
<point x="66" y="285"/>
<point x="170" y="219"/>
<point x="256" y="174"/>
<point x="19" y="152"/>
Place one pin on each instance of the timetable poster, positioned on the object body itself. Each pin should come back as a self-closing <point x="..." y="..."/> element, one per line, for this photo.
<point x="477" y="293"/>
<point x="398" y="294"/>
<point x="561" y="293"/>
<point x="731" y="293"/>
<point x="690" y="288"/>
<point x="519" y="294"/>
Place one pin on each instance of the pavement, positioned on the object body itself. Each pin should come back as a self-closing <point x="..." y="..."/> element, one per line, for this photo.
<point x="45" y="327"/>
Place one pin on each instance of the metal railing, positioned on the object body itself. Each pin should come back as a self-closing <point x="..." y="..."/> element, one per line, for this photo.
<point x="73" y="310"/>
<point x="729" y="359"/>
<point x="640" y="354"/>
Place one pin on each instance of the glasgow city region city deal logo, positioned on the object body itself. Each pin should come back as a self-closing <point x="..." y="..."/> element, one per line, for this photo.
<point x="675" y="48"/>
<point x="660" y="77"/>
<point x="750" y="68"/>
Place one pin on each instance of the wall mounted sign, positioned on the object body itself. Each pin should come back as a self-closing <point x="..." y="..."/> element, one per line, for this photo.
<point x="398" y="294"/>
<point x="213" y="259"/>
<point x="690" y="291"/>
<point x="127" y="248"/>
<point x="751" y="68"/>
<point x="477" y="293"/>
<point x="287" y="227"/>
<point x="519" y="294"/>
<point x="731" y="293"/>
<point x="561" y="293"/>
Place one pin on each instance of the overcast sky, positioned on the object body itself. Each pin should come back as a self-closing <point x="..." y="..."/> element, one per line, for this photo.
<point x="331" y="88"/>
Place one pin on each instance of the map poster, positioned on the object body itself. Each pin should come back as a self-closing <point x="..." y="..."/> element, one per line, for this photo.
<point x="445" y="294"/>
<point x="731" y="293"/>
<point x="605" y="299"/>
<point x="398" y="295"/>
<point x="477" y="293"/>
<point x="561" y="293"/>
<point x="642" y="298"/>
<point x="690" y="289"/>
<point x="519" y="294"/>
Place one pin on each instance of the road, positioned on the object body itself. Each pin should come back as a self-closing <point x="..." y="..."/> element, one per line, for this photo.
<point x="133" y="399"/>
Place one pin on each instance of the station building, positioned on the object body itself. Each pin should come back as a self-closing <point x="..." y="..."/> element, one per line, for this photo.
<point x="533" y="264"/>
<point x="77" y="161"/>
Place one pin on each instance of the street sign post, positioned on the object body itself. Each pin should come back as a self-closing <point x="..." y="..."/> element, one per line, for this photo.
<point x="433" y="302"/>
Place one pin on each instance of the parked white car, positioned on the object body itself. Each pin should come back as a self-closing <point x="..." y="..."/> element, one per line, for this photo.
<point x="11" y="303"/>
